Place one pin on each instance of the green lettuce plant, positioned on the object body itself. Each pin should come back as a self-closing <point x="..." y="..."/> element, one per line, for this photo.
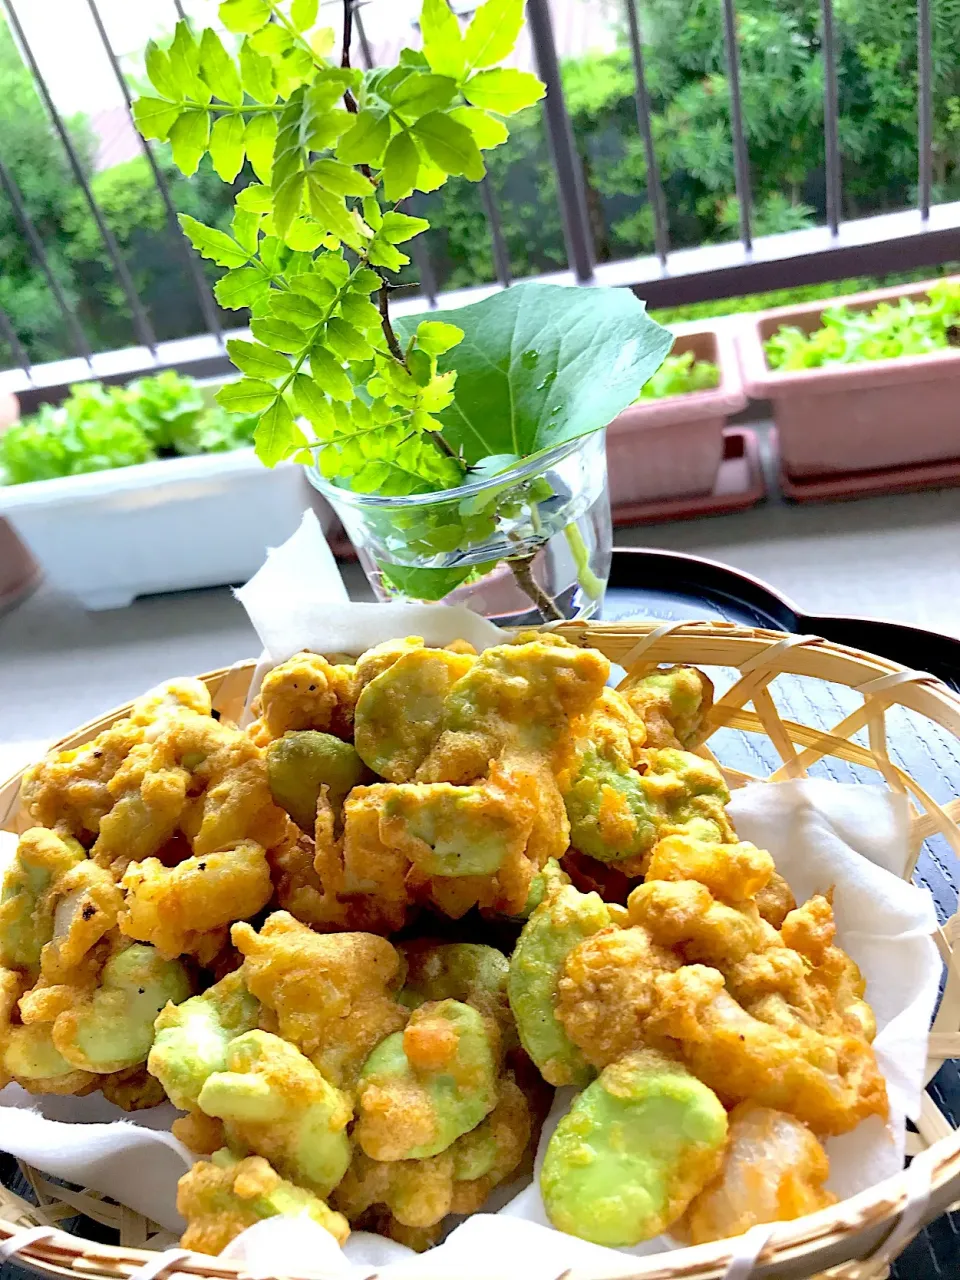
<point x="679" y="375"/>
<point x="99" y="428"/>
<point x="908" y="327"/>
<point x="389" y="408"/>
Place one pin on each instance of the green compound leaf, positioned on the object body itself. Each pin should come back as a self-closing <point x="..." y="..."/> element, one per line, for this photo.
<point x="504" y="90"/>
<point x="542" y="364"/>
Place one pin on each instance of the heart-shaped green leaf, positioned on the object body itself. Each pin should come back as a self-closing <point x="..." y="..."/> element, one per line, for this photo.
<point x="541" y="364"/>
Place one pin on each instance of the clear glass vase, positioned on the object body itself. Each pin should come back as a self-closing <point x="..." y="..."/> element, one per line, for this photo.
<point x="529" y="545"/>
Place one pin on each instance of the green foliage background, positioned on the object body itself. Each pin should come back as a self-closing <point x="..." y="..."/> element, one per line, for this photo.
<point x="782" y="74"/>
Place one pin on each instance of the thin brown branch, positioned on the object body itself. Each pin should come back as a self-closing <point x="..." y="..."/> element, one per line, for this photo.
<point x="349" y="101"/>
<point x="391" y="337"/>
<point x="520" y="567"/>
<point x="347" y="32"/>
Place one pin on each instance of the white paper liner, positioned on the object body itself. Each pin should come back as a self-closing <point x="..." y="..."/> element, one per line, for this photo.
<point x="821" y="834"/>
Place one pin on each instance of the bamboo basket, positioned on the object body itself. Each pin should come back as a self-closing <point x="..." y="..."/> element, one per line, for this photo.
<point x="853" y="1240"/>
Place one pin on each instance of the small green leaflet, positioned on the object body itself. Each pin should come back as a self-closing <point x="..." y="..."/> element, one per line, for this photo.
<point x="249" y="395"/>
<point x="160" y="72"/>
<point x="493" y="32"/>
<point x="401" y="165"/>
<point x="442" y="41"/>
<point x="504" y="90"/>
<point x="277" y="435"/>
<point x="421" y="93"/>
<point x="213" y="244"/>
<point x="340" y="179"/>
<point x="219" y="70"/>
<point x="542" y="364"/>
<point x="259" y="140"/>
<point x="189" y="135"/>
<point x="154" y="117"/>
<point x="226" y="146"/>
<point x="256" y="73"/>
<point x="366" y="141"/>
<point x="244" y="16"/>
<point x="450" y="145"/>
<point x="241" y="287"/>
<point x="487" y="130"/>
<point x="257" y="360"/>
<point x="303" y="14"/>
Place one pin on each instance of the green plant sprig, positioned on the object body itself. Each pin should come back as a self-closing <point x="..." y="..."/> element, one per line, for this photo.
<point x="336" y="151"/>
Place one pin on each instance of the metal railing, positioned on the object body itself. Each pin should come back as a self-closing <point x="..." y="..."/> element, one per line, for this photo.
<point x="926" y="236"/>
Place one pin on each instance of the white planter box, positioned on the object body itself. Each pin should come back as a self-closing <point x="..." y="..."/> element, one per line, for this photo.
<point x="163" y="526"/>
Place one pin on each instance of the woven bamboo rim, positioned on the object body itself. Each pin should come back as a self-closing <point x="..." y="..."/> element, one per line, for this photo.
<point x="854" y="1240"/>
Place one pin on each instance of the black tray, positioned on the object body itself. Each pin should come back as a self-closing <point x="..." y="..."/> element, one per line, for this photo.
<point x="668" y="586"/>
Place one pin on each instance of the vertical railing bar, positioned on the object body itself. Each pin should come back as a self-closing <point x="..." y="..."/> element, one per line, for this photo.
<point x="428" y="277"/>
<point x="81" y="346"/>
<point x="501" y="258"/>
<point x="924" y="108"/>
<point x="366" y="52"/>
<point x="831" y="121"/>
<point x="740" y="156"/>
<point x="198" y="279"/>
<point x="566" y="162"/>
<point x="8" y="334"/>
<point x="655" y="195"/>
<point x="141" y="322"/>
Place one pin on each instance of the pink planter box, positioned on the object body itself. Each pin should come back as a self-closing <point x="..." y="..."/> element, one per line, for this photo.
<point x="855" y="417"/>
<point x="672" y="448"/>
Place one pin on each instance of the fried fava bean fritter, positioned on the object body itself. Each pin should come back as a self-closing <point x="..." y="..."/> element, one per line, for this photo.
<point x="633" y="1150"/>
<point x="419" y="1193"/>
<point x="191" y="1038"/>
<point x="423" y="1087"/>
<point x="334" y="995"/>
<point x="275" y="1103"/>
<point x="223" y="1196"/>
<point x="673" y="703"/>
<point x="70" y="790"/>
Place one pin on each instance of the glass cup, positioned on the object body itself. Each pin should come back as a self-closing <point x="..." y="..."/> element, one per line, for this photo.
<point x="529" y="545"/>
